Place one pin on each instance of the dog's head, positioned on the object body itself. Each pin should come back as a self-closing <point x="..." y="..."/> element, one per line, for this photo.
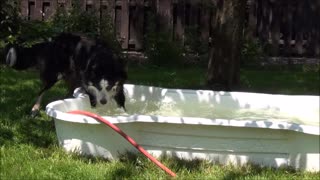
<point x="103" y="79"/>
<point x="105" y="91"/>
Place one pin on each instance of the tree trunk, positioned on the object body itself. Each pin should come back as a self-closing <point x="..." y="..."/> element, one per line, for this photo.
<point x="224" y="60"/>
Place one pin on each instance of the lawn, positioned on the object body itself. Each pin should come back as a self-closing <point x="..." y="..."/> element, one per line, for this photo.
<point x="29" y="148"/>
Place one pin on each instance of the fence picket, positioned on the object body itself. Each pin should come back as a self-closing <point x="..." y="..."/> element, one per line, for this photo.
<point x="289" y="26"/>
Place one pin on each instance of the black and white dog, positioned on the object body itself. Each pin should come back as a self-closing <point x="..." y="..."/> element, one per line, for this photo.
<point x="80" y="61"/>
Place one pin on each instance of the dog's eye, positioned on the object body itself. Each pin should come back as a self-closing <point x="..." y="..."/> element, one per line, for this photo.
<point x="108" y="88"/>
<point x="110" y="85"/>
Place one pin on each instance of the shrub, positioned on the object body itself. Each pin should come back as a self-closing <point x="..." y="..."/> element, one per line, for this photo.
<point x="9" y="18"/>
<point x="27" y="33"/>
<point x="193" y="44"/>
<point x="88" y="22"/>
<point x="9" y="23"/>
<point x="252" y="52"/>
<point x="159" y="47"/>
<point x="161" y="50"/>
<point x="76" y="20"/>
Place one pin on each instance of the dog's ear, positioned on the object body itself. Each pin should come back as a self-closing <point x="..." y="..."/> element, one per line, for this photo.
<point x="120" y="99"/>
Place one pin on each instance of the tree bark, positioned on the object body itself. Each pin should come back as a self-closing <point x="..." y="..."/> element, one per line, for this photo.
<point x="224" y="60"/>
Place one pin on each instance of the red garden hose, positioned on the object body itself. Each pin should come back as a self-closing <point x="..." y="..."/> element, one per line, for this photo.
<point x="128" y="138"/>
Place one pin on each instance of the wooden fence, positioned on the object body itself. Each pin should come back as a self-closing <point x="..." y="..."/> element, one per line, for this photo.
<point x="283" y="27"/>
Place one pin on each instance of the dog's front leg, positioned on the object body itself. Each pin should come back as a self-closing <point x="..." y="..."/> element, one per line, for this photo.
<point x="36" y="107"/>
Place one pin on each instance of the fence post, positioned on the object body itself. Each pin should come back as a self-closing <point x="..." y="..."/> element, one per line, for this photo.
<point x="165" y="15"/>
<point x="299" y="27"/>
<point x="178" y="20"/>
<point x="24" y="8"/>
<point x="287" y="34"/>
<point x="124" y="33"/>
<point x="275" y="27"/>
<point x="252" y="19"/>
<point x="136" y="18"/>
<point x="205" y="13"/>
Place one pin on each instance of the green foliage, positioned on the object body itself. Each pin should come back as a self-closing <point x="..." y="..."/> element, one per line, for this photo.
<point x="163" y="50"/>
<point x="9" y="18"/>
<point x="107" y="33"/>
<point x="32" y="32"/>
<point x="193" y="44"/>
<point x="9" y="23"/>
<point x="251" y="52"/>
<point x="195" y="48"/>
<point x="160" y="49"/>
<point x="74" y="20"/>
<point x="85" y="22"/>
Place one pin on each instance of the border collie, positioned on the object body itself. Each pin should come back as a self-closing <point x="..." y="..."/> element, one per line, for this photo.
<point x="80" y="61"/>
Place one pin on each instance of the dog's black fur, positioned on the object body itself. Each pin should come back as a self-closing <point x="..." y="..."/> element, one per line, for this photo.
<point x="79" y="60"/>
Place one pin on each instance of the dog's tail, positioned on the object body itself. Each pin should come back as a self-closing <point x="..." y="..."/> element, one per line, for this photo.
<point x="19" y="58"/>
<point x="10" y="52"/>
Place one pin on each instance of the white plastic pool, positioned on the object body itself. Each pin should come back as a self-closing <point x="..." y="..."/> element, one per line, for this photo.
<point x="223" y="127"/>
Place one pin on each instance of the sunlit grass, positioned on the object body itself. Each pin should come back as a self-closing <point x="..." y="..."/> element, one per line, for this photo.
<point x="23" y="161"/>
<point x="29" y="147"/>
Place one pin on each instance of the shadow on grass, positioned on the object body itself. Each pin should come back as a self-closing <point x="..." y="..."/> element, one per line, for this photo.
<point x="37" y="131"/>
<point x="183" y="164"/>
<point x="122" y="172"/>
<point x="174" y="163"/>
<point x="18" y="90"/>
<point x="253" y="171"/>
<point x="134" y="164"/>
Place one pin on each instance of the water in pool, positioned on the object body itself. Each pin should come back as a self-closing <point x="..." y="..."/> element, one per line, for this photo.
<point x="202" y="110"/>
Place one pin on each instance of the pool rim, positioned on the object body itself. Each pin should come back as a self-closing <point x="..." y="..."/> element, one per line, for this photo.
<point x="136" y="118"/>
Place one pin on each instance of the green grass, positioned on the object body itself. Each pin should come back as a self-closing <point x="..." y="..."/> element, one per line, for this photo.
<point x="282" y="82"/>
<point x="29" y="149"/>
<point x="167" y="77"/>
<point x="264" y="81"/>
